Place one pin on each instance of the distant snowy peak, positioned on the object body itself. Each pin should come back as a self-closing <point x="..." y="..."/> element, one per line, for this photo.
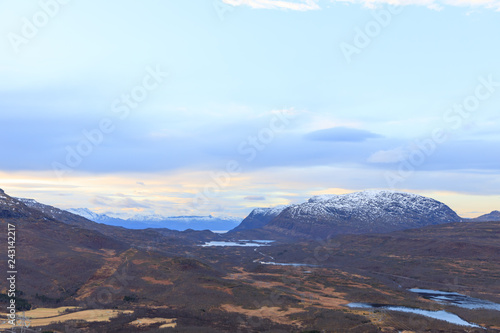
<point x="147" y="218"/>
<point x="182" y="218"/>
<point x="89" y="215"/>
<point x="259" y="217"/>
<point x="84" y="212"/>
<point x="159" y="221"/>
<point x="360" y="212"/>
<point x="375" y="203"/>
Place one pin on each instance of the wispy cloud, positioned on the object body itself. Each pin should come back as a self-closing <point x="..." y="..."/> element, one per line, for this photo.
<point x="432" y="4"/>
<point x="255" y="198"/>
<point x="306" y="5"/>
<point x="303" y="5"/>
<point x="388" y="156"/>
<point x="341" y="134"/>
<point x="117" y="203"/>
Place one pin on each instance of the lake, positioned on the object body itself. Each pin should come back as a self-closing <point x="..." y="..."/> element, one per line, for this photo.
<point x="249" y="243"/>
<point x="440" y="315"/>
<point x="456" y="299"/>
<point x="286" y="264"/>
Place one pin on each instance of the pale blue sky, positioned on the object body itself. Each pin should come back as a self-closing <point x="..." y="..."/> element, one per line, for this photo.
<point x="230" y="72"/>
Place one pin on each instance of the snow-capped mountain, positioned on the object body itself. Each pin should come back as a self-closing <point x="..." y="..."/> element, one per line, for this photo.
<point x="361" y="212"/>
<point x="259" y="217"/>
<point x="180" y="223"/>
<point x="90" y="215"/>
<point x="186" y="218"/>
<point x="147" y="218"/>
<point x="187" y="222"/>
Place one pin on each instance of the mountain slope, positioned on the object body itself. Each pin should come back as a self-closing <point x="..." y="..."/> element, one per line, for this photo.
<point x="491" y="217"/>
<point x="60" y="215"/>
<point x="259" y="217"/>
<point x="53" y="256"/>
<point x="64" y="263"/>
<point x="11" y="208"/>
<point x="361" y="212"/>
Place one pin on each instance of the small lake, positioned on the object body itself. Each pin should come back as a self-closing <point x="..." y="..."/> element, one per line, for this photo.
<point x="246" y="243"/>
<point x="257" y="241"/>
<point x="456" y="299"/>
<point x="440" y="315"/>
<point x="285" y="264"/>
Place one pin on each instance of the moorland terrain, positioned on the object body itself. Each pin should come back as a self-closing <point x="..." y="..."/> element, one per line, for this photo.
<point x="76" y="275"/>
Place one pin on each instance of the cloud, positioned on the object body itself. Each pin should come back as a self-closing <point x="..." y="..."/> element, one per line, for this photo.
<point x="120" y="203"/>
<point x="130" y="203"/>
<point x="431" y="4"/>
<point x="255" y="198"/>
<point x="341" y="134"/>
<point x="306" y="5"/>
<point x="388" y="156"/>
<point x="100" y="200"/>
<point x="303" y="5"/>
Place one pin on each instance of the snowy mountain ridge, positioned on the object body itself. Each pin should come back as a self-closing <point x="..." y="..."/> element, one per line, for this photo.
<point x="360" y="212"/>
<point x="373" y="202"/>
<point x="181" y="223"/>
<point x="90" y="215"/>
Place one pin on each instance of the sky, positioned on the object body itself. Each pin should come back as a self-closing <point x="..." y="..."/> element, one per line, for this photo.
<point x="219" y="106"/>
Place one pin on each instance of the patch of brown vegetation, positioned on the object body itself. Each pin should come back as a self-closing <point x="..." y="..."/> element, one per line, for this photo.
<point x="226" y="290"/>
<point x="86" y="315"/>
<point x="45" y="312"/>
<point x="166" y="322"/>
<point x="155" y="281"/>
<point x="139" y="262"/>
<point x="101" y="252"/>
<point x="275" y="314"/>
<point x="316" y="294"/>
<point x="327" y="298"/>
<point x="102" y="274"/>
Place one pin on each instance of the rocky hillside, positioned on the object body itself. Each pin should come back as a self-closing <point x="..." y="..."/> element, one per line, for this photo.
<point x="60" y="215"/>
<point x="12" y="208"/>
<point x="360" y="212"/>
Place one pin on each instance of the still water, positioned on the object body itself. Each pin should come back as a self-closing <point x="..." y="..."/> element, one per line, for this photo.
<point x="456" y="299"/>
<point x="250" y="243"/>
<point x="441" y="315"/>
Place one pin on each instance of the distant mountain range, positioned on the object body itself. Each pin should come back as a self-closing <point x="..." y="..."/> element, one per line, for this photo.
<point x="181" y="223"/>
<point x="491" y="217"/>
